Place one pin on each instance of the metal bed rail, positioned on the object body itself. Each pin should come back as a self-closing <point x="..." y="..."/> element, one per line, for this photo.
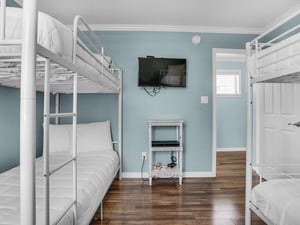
<point x="268" y="171"/>
<point x="93" y="46"/>
<point x="258" y="49"/>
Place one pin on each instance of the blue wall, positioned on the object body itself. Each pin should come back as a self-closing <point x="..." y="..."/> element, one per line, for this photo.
<point x="170" y="103"/>
<point x="10" y="124"/>
<point x="231" y="112"/>
<point x="92" y="108"/>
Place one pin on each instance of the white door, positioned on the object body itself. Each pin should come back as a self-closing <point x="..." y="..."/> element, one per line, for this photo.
<point x="278" y="141"/>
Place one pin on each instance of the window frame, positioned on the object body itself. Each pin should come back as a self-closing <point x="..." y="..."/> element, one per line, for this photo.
<point x="238" y="91"/>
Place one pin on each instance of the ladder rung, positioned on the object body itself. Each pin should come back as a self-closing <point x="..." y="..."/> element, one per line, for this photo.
<point x="61" y="166"/>
<point x="55" y="115"/>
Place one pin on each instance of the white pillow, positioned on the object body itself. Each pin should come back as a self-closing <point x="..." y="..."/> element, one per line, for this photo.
<point x="60" y="137"/>
<point x="90" y="137"/>
<point x="94" y="137"/>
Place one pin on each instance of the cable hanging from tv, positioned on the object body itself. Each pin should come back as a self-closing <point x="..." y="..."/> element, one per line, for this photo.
<point x="152" y="91"/>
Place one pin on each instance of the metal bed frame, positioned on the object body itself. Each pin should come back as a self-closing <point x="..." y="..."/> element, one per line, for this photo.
<point x="253" y="49"/>
<point x="50" y="63"/>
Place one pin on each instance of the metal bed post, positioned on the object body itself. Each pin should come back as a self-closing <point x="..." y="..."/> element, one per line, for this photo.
<point x="57" y="107"/>
<point x="28" y="114"/>
<point x="249" y="141"/>
<point x="74" y="147"/>
<point x="120" y="121"/>
<point x="2" y="19"/>
<point x="102" y="62"/>
<point x="46" y="140"/>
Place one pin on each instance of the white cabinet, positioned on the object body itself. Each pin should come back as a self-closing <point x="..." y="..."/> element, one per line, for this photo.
<point x="173" y="145"/>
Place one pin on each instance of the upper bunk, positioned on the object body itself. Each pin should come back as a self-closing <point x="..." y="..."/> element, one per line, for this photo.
<point x="274" y="56"/>
<point x="70" y="51"/>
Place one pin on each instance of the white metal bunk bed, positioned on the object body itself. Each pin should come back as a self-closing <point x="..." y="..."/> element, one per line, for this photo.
<point x="272" y="58"/>
<point x="53" y="61"/>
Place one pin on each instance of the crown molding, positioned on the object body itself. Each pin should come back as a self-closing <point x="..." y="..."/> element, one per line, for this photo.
<point x="169" y="28"/>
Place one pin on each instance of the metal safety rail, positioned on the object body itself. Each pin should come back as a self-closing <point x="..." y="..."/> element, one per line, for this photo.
<point x="88" y="41"/>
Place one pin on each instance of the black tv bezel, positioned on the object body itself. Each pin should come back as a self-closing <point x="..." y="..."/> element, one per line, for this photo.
<point x="158" y="84"/>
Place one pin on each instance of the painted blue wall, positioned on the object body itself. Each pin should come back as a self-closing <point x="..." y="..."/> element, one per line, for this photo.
<point x="92" y="108"/>
<point x="170" y="103"/>
<point x="10" y="124"/>
<point x="231" y="112"/>
<point x="12" y="3"/>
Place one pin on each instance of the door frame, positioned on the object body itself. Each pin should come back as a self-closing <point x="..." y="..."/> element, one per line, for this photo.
<point x="215" y="51"/>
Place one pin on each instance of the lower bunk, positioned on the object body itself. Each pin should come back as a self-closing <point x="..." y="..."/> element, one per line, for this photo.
<point x="277" y="201"/>
<point x="97" y="166"/>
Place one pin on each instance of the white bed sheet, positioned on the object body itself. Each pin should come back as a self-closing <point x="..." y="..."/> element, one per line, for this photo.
<point x="278" y="200"/>
<point x="96" y="171"/>
<point x="281" y="58"/>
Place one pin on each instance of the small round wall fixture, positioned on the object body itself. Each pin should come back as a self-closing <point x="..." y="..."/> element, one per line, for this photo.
<point x="196" y="39"/>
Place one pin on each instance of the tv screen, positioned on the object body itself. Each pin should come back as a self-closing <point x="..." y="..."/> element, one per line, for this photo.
<point x="154" y="72"/>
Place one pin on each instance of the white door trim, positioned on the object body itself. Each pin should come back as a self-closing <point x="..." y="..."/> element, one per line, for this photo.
<point x="214" y="109"/>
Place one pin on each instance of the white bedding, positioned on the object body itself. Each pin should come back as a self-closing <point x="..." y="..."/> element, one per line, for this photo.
<point x="278" y="200"/>
<point x="52" y="34"/>
<point x="282" y="58"/>
<point x="96" y="171"/>
<point x="58" y="38"/>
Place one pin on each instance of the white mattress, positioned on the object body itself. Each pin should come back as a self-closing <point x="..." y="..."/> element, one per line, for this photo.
<point x="278" y="200"/>
<point x="282" y="58"/>
<point x="96" y="171"/>
<point x="52" y="34"/>
<point x="58" y="38"/>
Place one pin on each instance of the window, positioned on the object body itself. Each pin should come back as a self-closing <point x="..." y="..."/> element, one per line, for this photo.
<point x="228" y="82"/>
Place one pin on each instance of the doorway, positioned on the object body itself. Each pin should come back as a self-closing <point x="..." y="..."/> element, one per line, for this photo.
<point x="229" y="101"/>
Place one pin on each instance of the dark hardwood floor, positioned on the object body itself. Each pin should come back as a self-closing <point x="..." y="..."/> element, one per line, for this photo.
<point x="199" y="201"/>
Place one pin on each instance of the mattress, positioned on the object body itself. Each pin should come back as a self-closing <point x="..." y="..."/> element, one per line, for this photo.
<point x="52" y="34"/>
<point x="282" y="58"/>
<point x="58" y="38"/>
<point x="96" y="171"/>
<point x="278" y="200"/>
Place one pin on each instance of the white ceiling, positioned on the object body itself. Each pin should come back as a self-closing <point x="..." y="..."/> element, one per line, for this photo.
<point x="244" y="16"/>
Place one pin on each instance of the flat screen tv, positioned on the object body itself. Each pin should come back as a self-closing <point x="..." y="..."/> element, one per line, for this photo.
<point x="169" y="72"/>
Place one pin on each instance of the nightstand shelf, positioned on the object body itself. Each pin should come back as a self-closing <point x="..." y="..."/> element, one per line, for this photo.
<point x="175" y="145"/>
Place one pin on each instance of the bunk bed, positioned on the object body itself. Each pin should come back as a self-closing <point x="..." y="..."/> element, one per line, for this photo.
<point x="272" y="57"/>
<point x="38" y="53"/>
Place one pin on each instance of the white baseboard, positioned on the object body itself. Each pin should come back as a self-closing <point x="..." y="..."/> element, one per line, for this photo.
<point x="234" y="149"/>
<point x="185" y="174"/>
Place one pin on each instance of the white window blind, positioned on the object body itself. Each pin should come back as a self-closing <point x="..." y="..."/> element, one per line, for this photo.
<point x="228" y="82"/>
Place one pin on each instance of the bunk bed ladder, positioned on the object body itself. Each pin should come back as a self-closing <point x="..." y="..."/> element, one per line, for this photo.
<point x="73" y="160"/>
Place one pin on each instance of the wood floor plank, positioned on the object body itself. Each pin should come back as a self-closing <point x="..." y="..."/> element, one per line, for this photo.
<point x="199" y="201"/>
